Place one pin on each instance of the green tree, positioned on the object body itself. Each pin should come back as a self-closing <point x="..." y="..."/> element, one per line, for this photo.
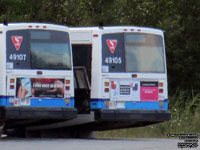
<point x="179" y="19"/>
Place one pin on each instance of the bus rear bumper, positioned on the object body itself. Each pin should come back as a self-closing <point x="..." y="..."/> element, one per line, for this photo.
<point x="133" y="115"/>
<point x="9" y="112"/>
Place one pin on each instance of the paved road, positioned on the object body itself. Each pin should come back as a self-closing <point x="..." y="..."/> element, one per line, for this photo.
<point x="89" y="144"/>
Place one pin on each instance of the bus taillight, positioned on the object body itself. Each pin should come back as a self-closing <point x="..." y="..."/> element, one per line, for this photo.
<point x="12" y="86"/>
<point x="67" y="81"/>
<point x="67" y="88"/>
<point x="160" y="90"/>
<point x="106" y="83"/>
<point x="106" y="90"/>
<point x="160" y="84"/>
<point x="12" y="80"/>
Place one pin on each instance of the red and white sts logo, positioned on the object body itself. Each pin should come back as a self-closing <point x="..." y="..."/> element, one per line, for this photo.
<point x="17" y="40"/>
<point x="112" y="45"/>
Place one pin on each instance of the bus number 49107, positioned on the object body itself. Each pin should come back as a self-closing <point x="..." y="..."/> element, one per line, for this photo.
<point x="21" y="57"/>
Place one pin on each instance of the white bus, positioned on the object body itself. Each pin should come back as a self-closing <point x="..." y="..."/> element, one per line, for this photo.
<point x="120" y="72"/>
<point x="36" y="73"/>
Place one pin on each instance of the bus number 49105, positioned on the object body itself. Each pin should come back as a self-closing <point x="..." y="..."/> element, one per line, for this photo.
<point x="113" y="60"/>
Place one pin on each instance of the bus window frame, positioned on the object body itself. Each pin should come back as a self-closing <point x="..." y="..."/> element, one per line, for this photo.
<point x="123" y="33"/>
<point x="28" y="52"/>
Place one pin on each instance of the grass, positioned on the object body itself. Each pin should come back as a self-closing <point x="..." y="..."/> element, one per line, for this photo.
<point x="185" y="118"/>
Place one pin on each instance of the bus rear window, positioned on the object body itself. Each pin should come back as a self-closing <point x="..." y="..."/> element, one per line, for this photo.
<point x="38" y="49"/>
<point x="145" y="55"/>
<point x="50" y="55"/>
<point x="133" y="52"/>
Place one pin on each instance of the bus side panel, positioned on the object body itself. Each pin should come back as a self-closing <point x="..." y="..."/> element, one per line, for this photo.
<point x="96" y="67"/>
<point x="3" y="99"/>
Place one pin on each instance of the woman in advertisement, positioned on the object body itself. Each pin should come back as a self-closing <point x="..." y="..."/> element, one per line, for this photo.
<point x="42" y="87"/>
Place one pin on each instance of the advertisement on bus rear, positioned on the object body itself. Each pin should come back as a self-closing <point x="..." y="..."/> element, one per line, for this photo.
<point x="40" y="87"/>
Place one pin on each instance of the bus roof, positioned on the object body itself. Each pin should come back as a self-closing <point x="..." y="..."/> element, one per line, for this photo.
<point x="84" y="34"/>
<point x="117" y="28"/>
<point x="34" y="26"/>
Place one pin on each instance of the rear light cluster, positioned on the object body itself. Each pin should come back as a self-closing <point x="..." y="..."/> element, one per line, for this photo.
<point x="161" y="87"/>
<point x="161" y="96"/>
<point x="106" y="84"/>
<point x="67" y="87"/>
<point x="12" y="83"/>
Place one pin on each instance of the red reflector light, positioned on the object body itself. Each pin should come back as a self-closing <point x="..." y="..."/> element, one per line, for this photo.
<point x="12" y="86"/>
<point x="134" y="75"/>
<point x="67" y="88"/>
<point x="44" y="26"/>
<point x="160" y="90"/>
<point x="125" y="29"/>
<point x="106" y="90"/>
<point x="16" y="102"/>
<point x="95" y="35"/>
<point x="37" y="26"/>
<point x="132" y="29"/>
<point x="30" y="26"/>
<point x="39" y="72"/>
<point x="139" y="30"/>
